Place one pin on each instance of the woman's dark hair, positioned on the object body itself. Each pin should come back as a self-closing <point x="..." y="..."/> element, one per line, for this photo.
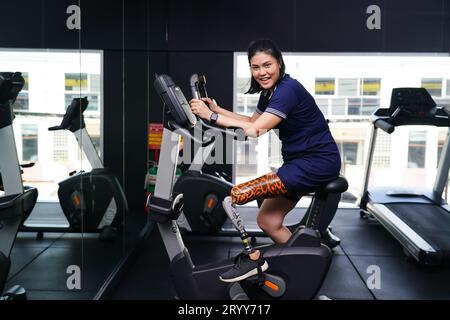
<point x="268" y="47"/>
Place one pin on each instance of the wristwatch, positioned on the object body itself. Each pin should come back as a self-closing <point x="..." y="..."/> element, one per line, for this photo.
<point x="213" y="118"/>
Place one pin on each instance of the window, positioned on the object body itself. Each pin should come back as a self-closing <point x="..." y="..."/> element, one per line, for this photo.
<point x="86" y="85"/>
<point x="323" y="105"/>
<point x="351" y="92"/>
<point x="369" y="105"/>
<point x="93" y="100"/>
<point x="247" y="103"/>
<point x="354" y="106"/>
<point x="240" y="106"/>
<point x="76" y="81"/>
<point x="444" y="101"/>
<point x="252" y="103"/>
<point x="29" y="142"/>
<point x="324" y="86"/>
<point x="275" y="158"/>
<point x="416" y="149"/>
<point x="433" y="86"/>
<point x="22" y="102"/>
<point x="246" y="157"/>
<point x="442" y="135"/>
<point x="439" y="151"/>
<point x="338" y="107"/>
<point x="347" y="87"/>
<point x="243" y="84"/>
<point x="349" y="152"/>
<point x="370" y="86"/>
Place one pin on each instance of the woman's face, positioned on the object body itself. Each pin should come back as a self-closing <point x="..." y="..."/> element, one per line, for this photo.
<point x="265" y="70"/>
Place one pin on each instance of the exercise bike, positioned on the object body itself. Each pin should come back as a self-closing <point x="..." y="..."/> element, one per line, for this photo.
<point x="203" y="193"/>
<point x="91" y="201"/>
<point x="296" y="269"/>
<point x="17" y="202"/>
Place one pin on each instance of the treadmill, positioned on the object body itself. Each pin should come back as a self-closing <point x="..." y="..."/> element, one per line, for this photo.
<point x="418" y="219"/>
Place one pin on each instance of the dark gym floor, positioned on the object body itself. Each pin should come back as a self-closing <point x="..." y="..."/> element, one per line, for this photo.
<point x="40" y="265"/>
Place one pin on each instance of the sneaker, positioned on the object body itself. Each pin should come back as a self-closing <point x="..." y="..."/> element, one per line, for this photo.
<point x="244" y="268"/>
<point x="329" y="239"/>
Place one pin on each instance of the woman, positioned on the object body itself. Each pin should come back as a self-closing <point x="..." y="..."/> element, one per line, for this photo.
<point x="310" y="155"/>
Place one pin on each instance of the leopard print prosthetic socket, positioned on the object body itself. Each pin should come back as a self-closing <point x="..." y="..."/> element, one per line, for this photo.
<point x="267" y="186"/>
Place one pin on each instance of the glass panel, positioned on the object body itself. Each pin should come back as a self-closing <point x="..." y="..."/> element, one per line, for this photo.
<point x="240" y="103"/>
<point x="252" y="102"/>
<point x="323" y="105"/>
<point x="370" y="87"/>
<point x="246" y="158"/>
<point x="347" y="87"/>
<point x="22" y="102"/>
<point x="434" y="86"/>
<point x="243" y="84"/>
<point x="30" y="142"/>
<point x="349" y="152"/>
<point x="443" y="102"/>
<point x="338" y="107"/>
<point x="275" y="158"/>
<point x="416" y="149"/>
<point x="76" y="82"/>
<point x="325" y="86"/>
<point x="354" y="106"/>
<point x="369" y="106"/>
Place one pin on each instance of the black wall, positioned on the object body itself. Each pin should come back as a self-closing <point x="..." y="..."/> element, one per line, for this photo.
<point x="141" y="38"/>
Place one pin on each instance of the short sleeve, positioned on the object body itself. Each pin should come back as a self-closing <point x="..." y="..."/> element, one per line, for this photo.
<point x="283" y="101"/>
<point x="262" y="103"/>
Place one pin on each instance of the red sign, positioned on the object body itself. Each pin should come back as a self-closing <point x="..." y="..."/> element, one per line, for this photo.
<point x="155" y="132"/>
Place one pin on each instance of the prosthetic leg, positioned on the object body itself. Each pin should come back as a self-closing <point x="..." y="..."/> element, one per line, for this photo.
<point x="263" y="187"/>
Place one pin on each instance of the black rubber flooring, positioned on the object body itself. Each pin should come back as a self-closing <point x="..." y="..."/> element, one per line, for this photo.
<point x="41" y="265"/>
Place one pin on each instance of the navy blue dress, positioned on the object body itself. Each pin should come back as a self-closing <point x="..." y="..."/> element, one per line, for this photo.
<point x="310" y="154"/>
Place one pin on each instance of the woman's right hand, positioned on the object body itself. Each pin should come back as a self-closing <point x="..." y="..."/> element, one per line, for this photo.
<point x="211" y="103"/>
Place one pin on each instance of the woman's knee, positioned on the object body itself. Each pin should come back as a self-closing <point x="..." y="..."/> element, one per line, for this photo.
<point x="269" y="222"/>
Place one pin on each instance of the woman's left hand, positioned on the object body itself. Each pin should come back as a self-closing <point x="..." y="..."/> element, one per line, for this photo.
<point x="200" y="109"/>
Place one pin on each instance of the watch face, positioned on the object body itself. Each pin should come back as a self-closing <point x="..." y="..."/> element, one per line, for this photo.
<point x="214" y="117"/>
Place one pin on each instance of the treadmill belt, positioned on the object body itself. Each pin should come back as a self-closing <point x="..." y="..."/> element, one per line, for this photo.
<point x="431" y="222"/>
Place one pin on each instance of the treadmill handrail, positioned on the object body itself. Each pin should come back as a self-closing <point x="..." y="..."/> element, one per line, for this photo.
<point x="439" y="118"/>
<point x="384" y="125"/>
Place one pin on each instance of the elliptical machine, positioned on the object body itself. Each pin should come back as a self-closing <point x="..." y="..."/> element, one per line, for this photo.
<point x="17" y="202"/>
<point x="203" y="193"/>
<point x="91" y="201"/>
<point x="296" y="269"/>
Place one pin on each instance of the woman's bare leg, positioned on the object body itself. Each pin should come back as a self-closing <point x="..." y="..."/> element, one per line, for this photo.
<point x="271" y="216"/>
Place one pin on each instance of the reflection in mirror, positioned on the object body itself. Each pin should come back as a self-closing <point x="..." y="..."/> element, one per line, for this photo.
<point x="52" y="80"/>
